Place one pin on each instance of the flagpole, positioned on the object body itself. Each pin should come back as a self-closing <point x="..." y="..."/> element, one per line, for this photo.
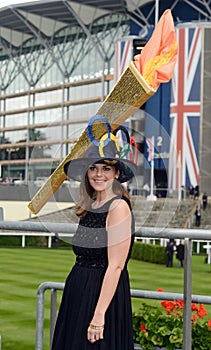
<point x="156" y="11"/>
<point x="179" y="176"/>
<point x="152" y="177"/>
<point x="151" y="196"/>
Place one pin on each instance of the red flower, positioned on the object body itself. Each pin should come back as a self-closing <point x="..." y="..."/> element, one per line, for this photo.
<point x="169" y="305"/>
<point x="179" y="304"/>
<point x="194" y="317"/>
<point x="194" y="307"/>
<point x="164" y="303"/>
<point x="160" y="290"/>
<point x="209" y="323"/>
<point x="142" y="327"/>
<point x="173" y="307"/>
<point x="202" y="311"/>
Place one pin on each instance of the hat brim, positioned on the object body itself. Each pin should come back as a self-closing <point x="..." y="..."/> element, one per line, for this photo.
<point x="76" y="168"/>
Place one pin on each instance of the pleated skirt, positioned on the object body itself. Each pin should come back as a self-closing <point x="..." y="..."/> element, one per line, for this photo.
<point x="80" y="296"/>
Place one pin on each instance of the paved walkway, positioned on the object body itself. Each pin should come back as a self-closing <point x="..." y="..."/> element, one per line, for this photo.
<point x="14" y="210"/>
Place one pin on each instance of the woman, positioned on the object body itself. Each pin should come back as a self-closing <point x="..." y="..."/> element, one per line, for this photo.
<point x="95" y="312"/>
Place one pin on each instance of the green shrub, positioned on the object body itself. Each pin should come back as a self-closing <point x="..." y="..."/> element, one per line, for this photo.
<point x="201" y="250"/>
<point x="149" y="252"/>
<point x="33" y="241"/>
<point x="10" y="241"/>
<point x="162" y="326"/>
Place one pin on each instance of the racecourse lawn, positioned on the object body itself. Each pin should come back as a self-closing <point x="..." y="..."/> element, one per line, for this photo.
<point x="23" y="270"/>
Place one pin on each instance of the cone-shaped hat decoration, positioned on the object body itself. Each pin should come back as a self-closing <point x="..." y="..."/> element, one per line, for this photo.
<point x="136" y="85"/>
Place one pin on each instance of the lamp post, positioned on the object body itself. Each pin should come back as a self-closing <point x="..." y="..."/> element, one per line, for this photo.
<point x="9" y="151"/>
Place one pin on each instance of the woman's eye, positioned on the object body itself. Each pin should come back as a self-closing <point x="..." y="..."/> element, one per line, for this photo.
<point x="106" y="168"/>
<point x="92" y="168"/>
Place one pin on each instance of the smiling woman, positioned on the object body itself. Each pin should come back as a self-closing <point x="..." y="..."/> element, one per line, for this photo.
<point x="98" y="286"/>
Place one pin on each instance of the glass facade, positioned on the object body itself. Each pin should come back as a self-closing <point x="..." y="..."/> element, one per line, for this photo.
<point x="49" y="93"/>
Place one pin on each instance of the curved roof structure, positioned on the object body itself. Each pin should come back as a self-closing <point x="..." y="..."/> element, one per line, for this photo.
<point x="43" y="20"/>
<point x="47" y="48"/>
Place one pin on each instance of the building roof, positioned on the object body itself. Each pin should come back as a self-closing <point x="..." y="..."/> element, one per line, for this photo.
<point x="61" y="216"/>
<point x="44" y="19"/>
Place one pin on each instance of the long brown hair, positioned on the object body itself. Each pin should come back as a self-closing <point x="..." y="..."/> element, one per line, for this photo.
<point x="87" y="195"/>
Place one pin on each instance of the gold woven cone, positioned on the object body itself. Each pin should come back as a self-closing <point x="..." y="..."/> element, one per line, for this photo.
<point x="129" y="93"/>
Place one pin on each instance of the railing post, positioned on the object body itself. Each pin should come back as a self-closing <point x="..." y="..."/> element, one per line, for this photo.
<point x="53" y="286"/>
<point x="1" y="214"/>
<point x="40" y="319"/>
<point x="23" y="241"/>
<point x="187" y="325"/>
<point x="198" y="247"/>
<point x="53" y="313"/>
<point x="49" y="241"/>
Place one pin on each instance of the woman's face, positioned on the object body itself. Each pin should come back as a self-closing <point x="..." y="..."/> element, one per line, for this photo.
<point x="101" y="176"/>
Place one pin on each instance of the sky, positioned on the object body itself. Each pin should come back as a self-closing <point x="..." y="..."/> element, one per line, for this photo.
<point x="4" y="3"/>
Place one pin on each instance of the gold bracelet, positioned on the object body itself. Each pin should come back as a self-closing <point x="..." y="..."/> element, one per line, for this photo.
<point x="96" y="327"/>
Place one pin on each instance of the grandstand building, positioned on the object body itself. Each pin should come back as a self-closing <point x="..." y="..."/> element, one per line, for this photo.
<point x="57" y="65"/>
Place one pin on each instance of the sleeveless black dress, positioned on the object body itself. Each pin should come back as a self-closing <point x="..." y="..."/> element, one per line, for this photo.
<point x="82" y="289"/>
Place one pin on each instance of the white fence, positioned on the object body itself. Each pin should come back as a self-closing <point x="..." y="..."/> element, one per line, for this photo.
<point x="187" y="234"/>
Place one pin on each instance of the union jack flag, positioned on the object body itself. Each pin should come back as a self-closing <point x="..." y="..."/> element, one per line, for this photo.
<point x="150" y="149"/>
<point x="123" y="56"/>
<point x="185" y="110"/>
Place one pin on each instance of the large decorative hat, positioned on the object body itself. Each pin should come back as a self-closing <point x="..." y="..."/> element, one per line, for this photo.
<point x="139" y="81"/>
<point x="107" y="151"/>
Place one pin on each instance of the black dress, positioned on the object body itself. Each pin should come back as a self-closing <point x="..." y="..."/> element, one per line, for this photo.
<point x="82" y="289"/>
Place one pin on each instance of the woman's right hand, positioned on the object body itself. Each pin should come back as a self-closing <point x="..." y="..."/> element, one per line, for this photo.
<point x="95" y="332"/>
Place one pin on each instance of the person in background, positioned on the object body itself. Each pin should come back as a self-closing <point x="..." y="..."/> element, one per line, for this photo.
<point x="191" y="191"/>
<point x="196" y="192"/>
<point x="198" y="216"/>
<point x="204" y="201"/>
<point x="56" y="241"/>
<point x="95" y="311"/>
<point x="180" y="254"/>
<point x="182" y="192"/>
<point x="169" y="253"/>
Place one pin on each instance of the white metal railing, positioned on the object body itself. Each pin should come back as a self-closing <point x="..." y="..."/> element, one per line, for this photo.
<point x="151" y="232"/>
<point x="49" y="235"/>
<point x="55" y="286"/>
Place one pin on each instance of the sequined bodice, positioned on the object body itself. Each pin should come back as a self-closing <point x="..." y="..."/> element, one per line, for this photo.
<point x="90" y="240"/>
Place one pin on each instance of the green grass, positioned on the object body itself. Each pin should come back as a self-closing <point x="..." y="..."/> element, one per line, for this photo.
<point x="23" y="270"/>
<point x="147" y="276"/>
